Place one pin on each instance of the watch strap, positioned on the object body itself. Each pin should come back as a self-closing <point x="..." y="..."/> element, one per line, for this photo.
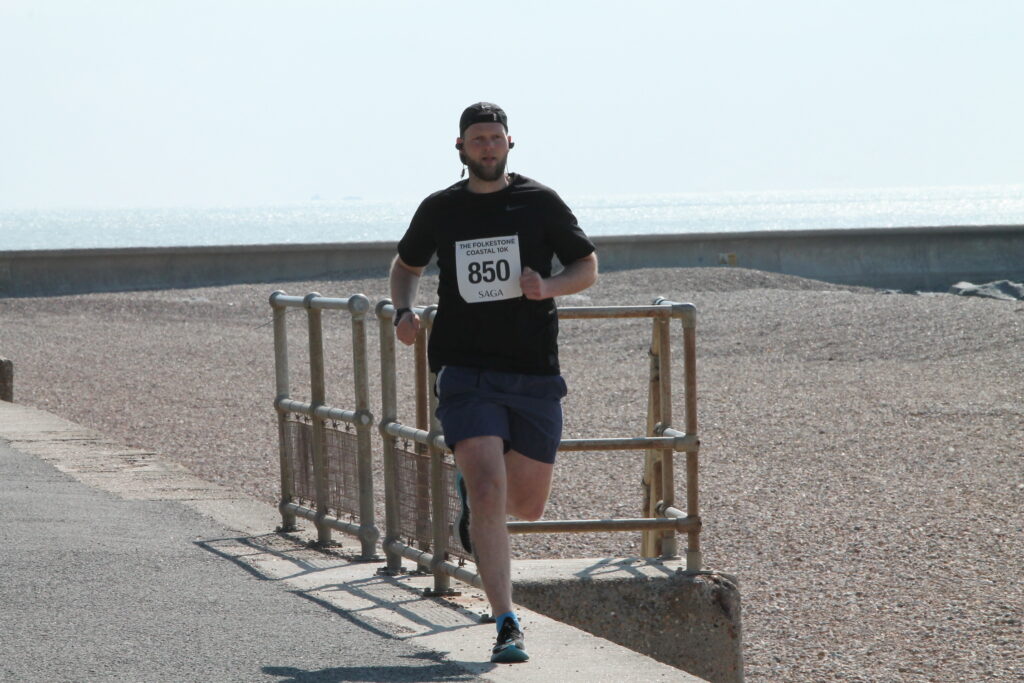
<point x="399" y="312"/>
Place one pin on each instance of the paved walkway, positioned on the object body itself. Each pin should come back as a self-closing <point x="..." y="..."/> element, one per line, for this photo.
<point x="118" y="565"/>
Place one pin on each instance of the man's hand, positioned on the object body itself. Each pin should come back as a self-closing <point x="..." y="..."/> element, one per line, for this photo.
<point x="575" y="277"/>
<point x="533" y="285"/>
<point x="405" y="280"/>
<point x="408" y="328"/>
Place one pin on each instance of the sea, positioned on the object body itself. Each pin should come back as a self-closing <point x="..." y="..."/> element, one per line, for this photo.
<point x="356" y="219"/>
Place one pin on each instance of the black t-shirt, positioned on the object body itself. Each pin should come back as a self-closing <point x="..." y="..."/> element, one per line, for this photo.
<point x="511" y="334"/>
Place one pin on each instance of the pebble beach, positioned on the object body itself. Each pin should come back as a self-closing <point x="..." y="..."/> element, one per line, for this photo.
<point x="862" y="459"/>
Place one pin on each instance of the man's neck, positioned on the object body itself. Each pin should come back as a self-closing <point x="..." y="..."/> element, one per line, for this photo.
<point x="478" y="186"/>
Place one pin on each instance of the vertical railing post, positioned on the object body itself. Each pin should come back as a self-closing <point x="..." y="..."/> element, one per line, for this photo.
<point x="422" y="489"/>
<point x="438" y="497"/>
<point x="317" y="399"/>
<point x="358" y="305"/>
<point x="668" y="478"/>
<point x="422" y="381"/>
<point x="694" y="559"/>
<point x="389" y="414"/>
<point x="651" y="540"/>
<point x="283" y="391"/>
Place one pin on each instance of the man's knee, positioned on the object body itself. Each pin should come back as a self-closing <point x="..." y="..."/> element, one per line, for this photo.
<point x="529" y="484"/>
<point x="529" y="510"/>
<point x="526" y="503"/>
<point x="481" y="462"/>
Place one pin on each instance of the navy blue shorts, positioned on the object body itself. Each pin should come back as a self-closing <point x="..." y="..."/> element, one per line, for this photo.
<point x="524" y="410"/>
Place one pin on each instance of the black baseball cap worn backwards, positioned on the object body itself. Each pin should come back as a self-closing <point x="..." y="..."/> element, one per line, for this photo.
<point x="482" y="112"/>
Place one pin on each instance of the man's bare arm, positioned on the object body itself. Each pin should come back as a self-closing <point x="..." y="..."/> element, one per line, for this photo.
<point x="575" y="277"/>
<point x="405" y="283"/>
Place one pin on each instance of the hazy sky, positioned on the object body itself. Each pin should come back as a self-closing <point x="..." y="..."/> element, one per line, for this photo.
<point x="158" y="103"/>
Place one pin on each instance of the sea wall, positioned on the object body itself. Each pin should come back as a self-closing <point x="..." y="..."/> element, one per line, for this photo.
<point x="889" y="258"/>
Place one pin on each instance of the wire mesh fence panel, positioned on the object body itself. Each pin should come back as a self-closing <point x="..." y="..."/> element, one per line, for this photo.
<point x="412" y="479"/>
<point x="299" y="447"/>
<point x="298" y="443"/>
<point x="342" y="470"/>
<point x="451" y="497"/>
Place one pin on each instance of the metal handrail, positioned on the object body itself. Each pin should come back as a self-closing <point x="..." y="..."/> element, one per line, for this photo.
<point x="317" y="409"/>
<point x="663" y="440"/>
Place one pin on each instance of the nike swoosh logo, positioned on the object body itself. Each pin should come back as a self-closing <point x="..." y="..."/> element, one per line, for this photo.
<point x="515" y="208"/>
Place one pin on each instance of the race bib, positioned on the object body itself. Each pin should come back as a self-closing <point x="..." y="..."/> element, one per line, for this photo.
<point x="488" y="269"/>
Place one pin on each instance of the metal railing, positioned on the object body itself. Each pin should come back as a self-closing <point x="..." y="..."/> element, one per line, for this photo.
<point x="325" y="470"/>
<point x="663" y="521"/>
<point x="323" y="466"/>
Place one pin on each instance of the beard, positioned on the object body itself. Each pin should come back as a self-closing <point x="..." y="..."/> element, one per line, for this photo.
<point x="482" y="172"/>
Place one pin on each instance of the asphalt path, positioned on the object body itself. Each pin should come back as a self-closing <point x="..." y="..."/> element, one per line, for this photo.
<point x="94" y="587"/>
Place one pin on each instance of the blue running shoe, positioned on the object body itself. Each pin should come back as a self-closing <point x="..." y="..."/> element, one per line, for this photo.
<point x="462" y="519"/>
<point x="510" y="648"/>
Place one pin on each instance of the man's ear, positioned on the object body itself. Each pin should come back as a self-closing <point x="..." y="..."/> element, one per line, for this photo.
<point x="458" y="143"/>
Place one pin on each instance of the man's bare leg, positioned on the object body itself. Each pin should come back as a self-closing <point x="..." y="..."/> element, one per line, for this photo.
<point x="498" y="486"/>
<point x="482" y="463"/>
<point x="529" y="485"/>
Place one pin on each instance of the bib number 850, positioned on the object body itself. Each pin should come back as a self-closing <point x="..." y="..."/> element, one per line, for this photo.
<point x="489" y="271"/>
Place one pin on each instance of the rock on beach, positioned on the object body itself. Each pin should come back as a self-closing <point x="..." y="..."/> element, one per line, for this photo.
<point x="1000" y="289"/>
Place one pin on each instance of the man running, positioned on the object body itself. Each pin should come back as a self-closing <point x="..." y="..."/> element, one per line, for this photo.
<point x="493" y="345"/>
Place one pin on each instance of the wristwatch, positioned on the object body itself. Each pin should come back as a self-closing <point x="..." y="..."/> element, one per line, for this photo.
<point x="399" y="312"/>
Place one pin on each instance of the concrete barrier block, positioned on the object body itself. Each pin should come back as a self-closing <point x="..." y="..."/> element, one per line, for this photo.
<point x="690" y="621"/>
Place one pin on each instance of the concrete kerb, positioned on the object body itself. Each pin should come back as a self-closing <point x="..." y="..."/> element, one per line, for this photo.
<point x="392" y="606"/>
